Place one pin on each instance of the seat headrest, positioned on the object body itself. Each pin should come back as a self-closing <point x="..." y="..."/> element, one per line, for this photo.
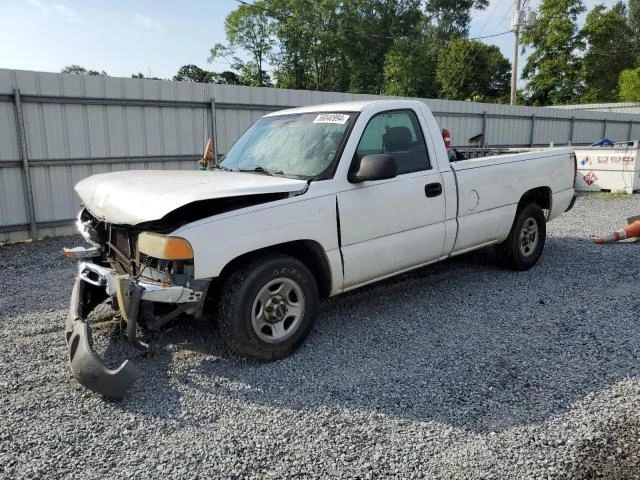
<point x="397" y="139"/>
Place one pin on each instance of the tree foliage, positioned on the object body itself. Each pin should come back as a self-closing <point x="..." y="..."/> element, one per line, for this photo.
<point x="226" y="78"/>
<point x="609" y="39"/>
<point x="420" y="48"/>
<point x="142" y="76"/>
<point x="195" y="74"/>
<point x="421" y="54"/>
<point x="361" y="46"/>
<point x="249" y="28"/>
<point x="629" y="84"/>
<point x="634" y="21"/>
<point x="309" y="48"/>
<point x="78" y="70"/>
<point x="471" y="70"/>
<point x="367" y="34"/>
<point x="553" y="66"/>
<point x="452" y="19"/>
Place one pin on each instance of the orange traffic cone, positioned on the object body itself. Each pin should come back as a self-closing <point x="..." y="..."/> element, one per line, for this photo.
<point x="630" y="231"/>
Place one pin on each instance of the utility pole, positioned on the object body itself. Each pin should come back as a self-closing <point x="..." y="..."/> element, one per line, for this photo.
<point x="515" y="27"/>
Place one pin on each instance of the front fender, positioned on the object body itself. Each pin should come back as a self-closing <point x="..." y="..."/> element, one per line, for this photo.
<point x="219" y="240"/>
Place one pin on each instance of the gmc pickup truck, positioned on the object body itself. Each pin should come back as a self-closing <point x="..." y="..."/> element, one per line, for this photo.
<point x="308" y="203"/>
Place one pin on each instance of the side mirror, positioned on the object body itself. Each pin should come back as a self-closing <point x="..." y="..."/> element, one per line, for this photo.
<point x="372" y="167"/>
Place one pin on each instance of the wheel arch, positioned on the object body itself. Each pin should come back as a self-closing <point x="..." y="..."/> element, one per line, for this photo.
<point x="308" y="252"/>
<point x="541" y="196"/>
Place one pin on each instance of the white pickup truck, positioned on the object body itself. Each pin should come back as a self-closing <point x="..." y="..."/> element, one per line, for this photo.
<point x="308" y="203"/>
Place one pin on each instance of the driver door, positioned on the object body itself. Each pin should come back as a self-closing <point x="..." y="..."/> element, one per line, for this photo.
<point x="392" y="225"/>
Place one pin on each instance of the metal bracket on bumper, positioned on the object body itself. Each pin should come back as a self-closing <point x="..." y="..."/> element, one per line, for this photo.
<point x="93" y="284"/>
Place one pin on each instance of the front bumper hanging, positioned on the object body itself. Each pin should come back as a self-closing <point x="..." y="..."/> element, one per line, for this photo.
<point x="94" y="284"/>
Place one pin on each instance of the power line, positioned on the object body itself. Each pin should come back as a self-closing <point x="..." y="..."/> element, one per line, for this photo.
<point x="489" y="36"/>
<point x="448" y="85"/>
<point x="464" y="70"/>
<point x="265" y="9"/>
<point x="388" y="37"/>
<point x="455" y="74"/>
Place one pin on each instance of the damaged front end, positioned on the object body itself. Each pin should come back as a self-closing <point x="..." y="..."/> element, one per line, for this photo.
<point x="149" y="277"/>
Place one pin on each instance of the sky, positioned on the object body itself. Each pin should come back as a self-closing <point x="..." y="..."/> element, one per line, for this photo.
<point x="121" y="37"/>
<point x="154" y="37"/>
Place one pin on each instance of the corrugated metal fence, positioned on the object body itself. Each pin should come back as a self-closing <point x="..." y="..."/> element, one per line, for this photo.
<point x="618" y="107"/>
<point x="56" y="129"/>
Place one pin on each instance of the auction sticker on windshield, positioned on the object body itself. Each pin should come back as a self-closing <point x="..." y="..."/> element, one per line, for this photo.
<point x="340" y="118"/>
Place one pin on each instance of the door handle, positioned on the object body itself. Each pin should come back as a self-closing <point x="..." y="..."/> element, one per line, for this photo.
<point x="433" y="189"/>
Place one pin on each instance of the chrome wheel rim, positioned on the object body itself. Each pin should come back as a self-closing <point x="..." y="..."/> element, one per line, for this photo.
<point x="529" y="237"/>
<point x="277" y="310"/>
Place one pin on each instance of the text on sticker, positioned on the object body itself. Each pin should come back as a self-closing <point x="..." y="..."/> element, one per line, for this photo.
<point x="340" y="118"/>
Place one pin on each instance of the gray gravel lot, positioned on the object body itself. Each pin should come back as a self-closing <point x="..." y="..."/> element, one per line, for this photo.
<point x="459" y="370"/>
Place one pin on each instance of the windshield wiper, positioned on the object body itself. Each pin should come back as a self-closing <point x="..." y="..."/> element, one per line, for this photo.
<point x="268" y="171"/>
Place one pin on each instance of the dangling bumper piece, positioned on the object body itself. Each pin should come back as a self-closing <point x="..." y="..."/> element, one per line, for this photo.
<point x="93" y="285"/>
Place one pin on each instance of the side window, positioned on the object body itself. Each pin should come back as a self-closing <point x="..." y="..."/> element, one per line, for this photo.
<point x="398" y="134"/>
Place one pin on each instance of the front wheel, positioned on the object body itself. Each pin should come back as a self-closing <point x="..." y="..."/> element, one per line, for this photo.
<point x="268" y="307"/>
<point x="523" y="247"/>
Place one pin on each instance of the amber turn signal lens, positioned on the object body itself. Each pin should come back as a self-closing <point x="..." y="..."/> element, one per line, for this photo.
<point x="164" y="247"/>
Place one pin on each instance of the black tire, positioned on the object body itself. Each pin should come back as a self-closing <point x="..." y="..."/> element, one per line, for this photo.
<point x="236" y="313"/>
<point x="509" y="253"/>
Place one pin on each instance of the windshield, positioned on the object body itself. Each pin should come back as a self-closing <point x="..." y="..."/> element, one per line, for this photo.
<point x="300" y="145"/>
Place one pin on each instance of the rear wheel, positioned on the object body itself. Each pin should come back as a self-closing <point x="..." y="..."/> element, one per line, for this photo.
<point x="268" y="307"/>
<point x="523" y="247"/>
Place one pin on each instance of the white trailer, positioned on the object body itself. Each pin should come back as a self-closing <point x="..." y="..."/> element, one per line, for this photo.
<point x="615" y="168"/>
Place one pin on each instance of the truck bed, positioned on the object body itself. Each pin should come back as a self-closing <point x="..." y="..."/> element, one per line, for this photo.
<point x="489" y="189"/>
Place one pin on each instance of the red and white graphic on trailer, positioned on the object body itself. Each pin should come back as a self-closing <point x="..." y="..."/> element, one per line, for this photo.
<point x="590" y="178"/>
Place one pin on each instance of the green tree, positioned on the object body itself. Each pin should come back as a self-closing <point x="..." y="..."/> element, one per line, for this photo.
<point x="634" y="20"/>
<point x="453" y="17"/>
<point x="629" y="84"/>
<point x="78" y="70"/>
<point x="193" y="73"/>
<point x="553" y="66"/>
<point x="609" y="38"/>
<point x="249" y="28"/>
<point x="360" y="46"/>
<point x="368" y="29"/>
<point x="338" y="44"/>
<point x="226" y="78"/>
<point x="410" y="65"/>
<point x="309" y="50"/>
<point x="142" y="76"/>
<point x="411" y="62"/>
<point x="472" y="70"/>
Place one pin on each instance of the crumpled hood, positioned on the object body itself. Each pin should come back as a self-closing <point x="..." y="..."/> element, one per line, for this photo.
<point x="132" y="197"/>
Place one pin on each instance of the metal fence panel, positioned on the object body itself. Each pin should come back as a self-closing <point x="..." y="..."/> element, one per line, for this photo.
<point x="548" y="131"/>
<point x="587" y="132"/>
<point x="9" y="150"/>
<point x="616" y="130"/>
<point x="618" y="107"/>
<point x="502" y="131"/>
<point x="461" y="127"/>
<point x="12" y="201"/>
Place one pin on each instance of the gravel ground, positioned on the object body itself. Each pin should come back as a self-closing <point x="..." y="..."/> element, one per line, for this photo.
<point x="460" y="370"/>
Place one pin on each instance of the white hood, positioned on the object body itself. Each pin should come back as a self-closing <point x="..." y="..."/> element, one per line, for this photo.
<point x="132" y="197"/>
